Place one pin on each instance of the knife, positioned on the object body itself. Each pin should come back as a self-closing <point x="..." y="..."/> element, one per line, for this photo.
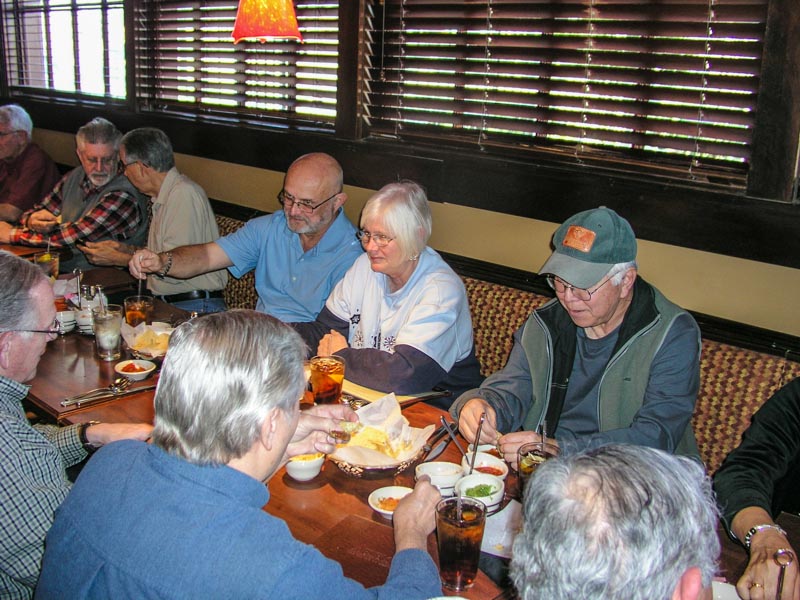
<point x="431" y="449"/>
<point x="83" y="402"/>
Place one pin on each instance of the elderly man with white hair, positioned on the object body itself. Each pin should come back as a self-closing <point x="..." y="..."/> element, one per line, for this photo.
<point x="620" y="522"/>
<point x="27" y="174"/>
<point x="183" y="518"/>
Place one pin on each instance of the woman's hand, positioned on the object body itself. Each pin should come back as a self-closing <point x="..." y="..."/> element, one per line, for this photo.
<point x="331" y="343"/>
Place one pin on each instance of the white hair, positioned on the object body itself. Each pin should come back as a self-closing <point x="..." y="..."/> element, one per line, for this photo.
<point x="403" y="210"/>
<point x="618" y="523"/>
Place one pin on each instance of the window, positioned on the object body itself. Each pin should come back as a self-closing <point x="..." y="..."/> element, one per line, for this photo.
<point x="66" y="47"/>
<point x="662" y="83"/>
<point x="187" y="63"/>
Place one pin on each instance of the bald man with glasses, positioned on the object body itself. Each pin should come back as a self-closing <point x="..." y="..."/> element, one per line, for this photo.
<point x="609" y="360"/>
<point x="298" y="254"/>
<point x="33" y="480"/>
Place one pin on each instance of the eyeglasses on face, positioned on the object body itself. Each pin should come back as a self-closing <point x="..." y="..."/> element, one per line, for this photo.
<point x="287" y="201"/>
<point x="379" y="239"/>
<point x="560" y="286"/>
<point x="7" y="133"/>
<point x="52" y="332"/>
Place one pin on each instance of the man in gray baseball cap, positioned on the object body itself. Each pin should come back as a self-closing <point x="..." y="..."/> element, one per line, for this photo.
<point x="608" y="360"/>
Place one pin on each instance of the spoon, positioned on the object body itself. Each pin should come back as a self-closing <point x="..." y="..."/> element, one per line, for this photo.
<point x="452" y="436"/>
<point x="477" y="441"/>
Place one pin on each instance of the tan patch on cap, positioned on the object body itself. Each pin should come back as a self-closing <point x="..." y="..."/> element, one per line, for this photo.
<point x="579" y="238"/>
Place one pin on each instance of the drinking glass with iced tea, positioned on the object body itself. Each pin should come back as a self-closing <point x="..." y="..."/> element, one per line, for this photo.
<point x="326" y="377"/>
<point x="529" y="457"/>
<point x="459" y="531"/>
<point x="138" y="309"/>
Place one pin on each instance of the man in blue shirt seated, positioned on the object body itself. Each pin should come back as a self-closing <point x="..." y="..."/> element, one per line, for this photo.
<point x="610" y="359"/>
<point x="183" y="518"/>
<point x="298" y="253"/>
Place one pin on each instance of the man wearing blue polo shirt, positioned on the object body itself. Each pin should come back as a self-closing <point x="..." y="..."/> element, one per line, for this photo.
<point x="298" y="254"/>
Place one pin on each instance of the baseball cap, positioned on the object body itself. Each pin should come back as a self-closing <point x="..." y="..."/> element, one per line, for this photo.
<point x="588" y="244"/>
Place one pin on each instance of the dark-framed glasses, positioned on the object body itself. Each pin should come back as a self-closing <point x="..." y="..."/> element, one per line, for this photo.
<point x="379" y="239"/>
<point x="53" y="331"/>
<point x="287" y="201"/>
<point x="560" y="286"/>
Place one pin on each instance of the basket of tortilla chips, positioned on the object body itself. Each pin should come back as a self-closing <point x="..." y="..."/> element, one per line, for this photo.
<point x="147" y="341"/>
<point x="383" y="445"/>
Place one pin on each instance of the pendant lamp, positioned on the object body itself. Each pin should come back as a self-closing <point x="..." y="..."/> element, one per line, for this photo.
<point x="263" y="20"/>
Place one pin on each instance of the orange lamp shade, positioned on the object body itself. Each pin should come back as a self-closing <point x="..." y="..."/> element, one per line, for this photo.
<point x="264" y="19"/>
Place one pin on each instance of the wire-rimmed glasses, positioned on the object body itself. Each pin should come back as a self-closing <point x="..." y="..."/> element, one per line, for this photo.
<point x="287" y="200"/>
<point x="380" y="240"/>
<point x="560" y="286"/>
<point x="52" y="332"/>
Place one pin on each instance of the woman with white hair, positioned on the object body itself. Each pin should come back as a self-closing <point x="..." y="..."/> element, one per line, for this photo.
<point x="399" y="317"/>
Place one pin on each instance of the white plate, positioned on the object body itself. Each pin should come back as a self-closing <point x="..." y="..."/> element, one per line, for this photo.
<point x="392" y="491"/>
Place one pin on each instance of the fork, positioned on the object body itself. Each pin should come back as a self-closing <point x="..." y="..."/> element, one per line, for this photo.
<point x="118" y="385"/>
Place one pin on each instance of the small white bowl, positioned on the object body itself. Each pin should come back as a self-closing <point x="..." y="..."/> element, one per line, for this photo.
<point x="470" y="482"/>
<point x="305" y="467"/>
<point x="488" y="448"/>
<point x="384" y="493"/>
<point x="66" y="321"/>
<point x="135" y="375"/>
<point x="85" y="321"/>
<point x="443" y="475"/>
<point x="498" y="466"/>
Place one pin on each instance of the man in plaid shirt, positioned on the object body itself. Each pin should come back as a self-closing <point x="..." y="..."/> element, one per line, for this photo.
<point x="33" y="459"/>
<point x="92" y="202"/>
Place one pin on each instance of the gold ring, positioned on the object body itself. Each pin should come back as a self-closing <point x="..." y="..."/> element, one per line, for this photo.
<point x="755" y="584"/>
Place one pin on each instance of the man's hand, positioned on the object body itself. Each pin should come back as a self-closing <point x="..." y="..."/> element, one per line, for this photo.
<point x="143" y="262"/>
<point x="5" y="232"/>
<point x="108" y="253"/>
<point x="104" y="433"/>
<point x="314" y="427"/>
<point x="331" y="343"/>
<point x="469" y="417"/>
<point x="509" y="444"/>
<point x="415" y="516"/>
<point x="43" y="221"/>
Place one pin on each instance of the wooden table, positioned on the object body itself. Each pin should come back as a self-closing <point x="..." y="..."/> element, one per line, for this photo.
<point x="329" y="512"/>
<point x="22" y="251"/>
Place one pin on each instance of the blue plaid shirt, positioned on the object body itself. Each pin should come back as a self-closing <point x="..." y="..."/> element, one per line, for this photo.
<point x="33" y="482"/>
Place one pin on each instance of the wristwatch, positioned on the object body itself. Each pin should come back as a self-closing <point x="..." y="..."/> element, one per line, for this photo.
<point x="87" y="445"/>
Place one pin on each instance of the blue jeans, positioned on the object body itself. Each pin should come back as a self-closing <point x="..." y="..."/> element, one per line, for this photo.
<point x="202" y="305"/>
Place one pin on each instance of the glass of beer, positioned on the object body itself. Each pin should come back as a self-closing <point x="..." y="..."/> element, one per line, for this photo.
<point x="529" y="457"/>
<point x="138" y="309"/>
<point x="326" y="377"/>
<point x="459" y="532"/>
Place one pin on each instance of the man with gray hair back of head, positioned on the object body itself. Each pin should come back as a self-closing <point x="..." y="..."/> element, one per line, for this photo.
<point x="92" y="202"/>
<point x="33" y="480"/>
<point x="183" y="517"/>
<point x="609" y="360"/>
<point x="619" y="523"/>
<point x="27" y="174"/>
<point x="181" y="215"/>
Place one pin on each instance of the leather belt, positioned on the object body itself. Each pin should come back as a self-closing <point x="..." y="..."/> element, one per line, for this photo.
<point x="193" y="295"/>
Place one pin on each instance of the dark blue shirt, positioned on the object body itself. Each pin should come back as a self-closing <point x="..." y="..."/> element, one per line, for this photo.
<point x="140" y="523"/>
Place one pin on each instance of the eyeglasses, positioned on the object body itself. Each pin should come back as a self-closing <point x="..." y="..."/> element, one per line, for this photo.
<point x="305" y="205"/>
<point x="52" y="332"/>
<point x="122" y="166"/>
<point x="7" y="133"/>
<point x="100" y="161"/>
<point x="379" y="239"/>
<point x="561" y="287"/>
